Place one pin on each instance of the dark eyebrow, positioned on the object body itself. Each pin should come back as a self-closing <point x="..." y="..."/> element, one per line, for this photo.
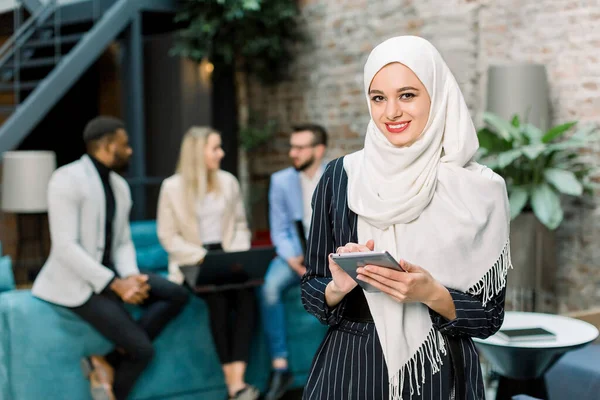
<point x="402" y="89"/>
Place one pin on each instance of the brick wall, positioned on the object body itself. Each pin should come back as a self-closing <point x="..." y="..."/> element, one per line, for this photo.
<point x="326" y="85"/>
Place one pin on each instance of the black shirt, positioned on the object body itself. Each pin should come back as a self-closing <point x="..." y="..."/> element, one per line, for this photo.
<point x="104" y="172"/>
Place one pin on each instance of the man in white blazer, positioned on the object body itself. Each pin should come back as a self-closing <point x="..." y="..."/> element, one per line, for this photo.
<point x="92" y="268"/>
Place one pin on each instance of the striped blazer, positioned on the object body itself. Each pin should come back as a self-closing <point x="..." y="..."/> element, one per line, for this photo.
<point x="349" y="364"/>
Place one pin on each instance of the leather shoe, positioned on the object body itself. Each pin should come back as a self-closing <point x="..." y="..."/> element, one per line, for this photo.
<point x="100" y="387"/>
<point x="99" y="390"/>
<point x="104" y="371"/>
<point x="279" y="384"/>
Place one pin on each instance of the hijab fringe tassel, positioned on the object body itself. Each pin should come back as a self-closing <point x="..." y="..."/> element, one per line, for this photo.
<point x="490" y="285"/>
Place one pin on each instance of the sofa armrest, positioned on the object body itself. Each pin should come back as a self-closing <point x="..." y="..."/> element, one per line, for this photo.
<point x="7" y="280"/>
<point x="4" y="350"/>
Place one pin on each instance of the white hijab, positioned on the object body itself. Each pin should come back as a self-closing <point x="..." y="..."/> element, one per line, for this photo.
<point x="428" y="204"/>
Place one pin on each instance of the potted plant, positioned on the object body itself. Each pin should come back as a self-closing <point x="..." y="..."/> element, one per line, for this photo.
<point x="539" y="168"/>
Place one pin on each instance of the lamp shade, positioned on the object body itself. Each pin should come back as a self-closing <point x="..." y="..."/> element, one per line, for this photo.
<point x="520" y="89"/>
<point x="25" y="177"/>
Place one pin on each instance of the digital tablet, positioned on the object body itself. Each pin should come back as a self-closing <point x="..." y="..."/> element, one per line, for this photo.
<point x="349" y="262"/>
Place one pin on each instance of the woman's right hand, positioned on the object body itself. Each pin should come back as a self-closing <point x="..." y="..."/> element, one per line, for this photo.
<point x="343" y="283"/>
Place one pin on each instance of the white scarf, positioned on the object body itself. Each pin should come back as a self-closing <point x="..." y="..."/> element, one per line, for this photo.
<point x="430" y="205"/>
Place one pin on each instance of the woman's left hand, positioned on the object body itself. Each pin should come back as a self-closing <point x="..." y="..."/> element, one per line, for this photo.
<point x="414" y="285"/>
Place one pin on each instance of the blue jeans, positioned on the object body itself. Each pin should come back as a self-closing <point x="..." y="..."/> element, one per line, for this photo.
<point x="279" y="277"/>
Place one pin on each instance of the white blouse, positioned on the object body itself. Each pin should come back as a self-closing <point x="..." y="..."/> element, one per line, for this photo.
<point x="209" y="212"/>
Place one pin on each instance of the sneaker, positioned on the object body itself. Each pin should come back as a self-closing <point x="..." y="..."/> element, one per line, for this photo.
<point x="280" y="382"/>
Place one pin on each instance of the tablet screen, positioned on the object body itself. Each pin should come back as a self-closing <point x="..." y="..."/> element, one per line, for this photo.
<point x="349" y="262"/>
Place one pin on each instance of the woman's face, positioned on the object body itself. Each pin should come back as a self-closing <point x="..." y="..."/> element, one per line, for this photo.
<point x="213" y="153"/>
<point x="399" y="104"/>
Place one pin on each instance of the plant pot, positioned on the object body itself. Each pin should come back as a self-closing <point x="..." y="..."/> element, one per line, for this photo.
<point x="519" y="89"/>
<point x="530" y="284"/>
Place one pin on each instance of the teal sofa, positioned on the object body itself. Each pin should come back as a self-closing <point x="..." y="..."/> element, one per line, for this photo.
<point x="41" y="344"/>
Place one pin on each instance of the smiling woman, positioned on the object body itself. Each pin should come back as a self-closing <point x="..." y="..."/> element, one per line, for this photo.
<point x="414" y="192"/>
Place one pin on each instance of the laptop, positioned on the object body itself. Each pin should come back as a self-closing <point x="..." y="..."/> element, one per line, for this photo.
<point x="223" y="270"/>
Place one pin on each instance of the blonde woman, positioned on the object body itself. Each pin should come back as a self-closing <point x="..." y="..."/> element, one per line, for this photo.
<point x="199" y="210"/>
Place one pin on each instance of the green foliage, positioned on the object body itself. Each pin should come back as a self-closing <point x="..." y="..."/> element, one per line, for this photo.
<point x="261" y="32"/>
<point x="537" y="166"/>
<point x="256" y="134"/>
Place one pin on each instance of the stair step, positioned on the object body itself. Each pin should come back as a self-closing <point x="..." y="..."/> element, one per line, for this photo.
<point x="7" y="109"/>
<point x="33" y="63"/>
<point x="67" y="39"/>
<point x="9" y="87"/>
<point x="7" y="98"/>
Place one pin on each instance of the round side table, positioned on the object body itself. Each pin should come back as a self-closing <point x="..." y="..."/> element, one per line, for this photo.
<point x="522" y="364"/>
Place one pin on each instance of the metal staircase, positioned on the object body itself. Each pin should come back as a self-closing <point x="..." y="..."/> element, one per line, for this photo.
<point x="18" y="53"/>
<point x="52" y="46"/>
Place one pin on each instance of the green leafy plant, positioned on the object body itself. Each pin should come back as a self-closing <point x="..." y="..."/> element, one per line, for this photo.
<point x="256" y="134"/>
<point x="538" y="166"/>
<point x="255" y="35"/>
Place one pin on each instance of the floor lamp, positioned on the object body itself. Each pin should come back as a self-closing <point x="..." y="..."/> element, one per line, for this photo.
<point x="25" y="177"/>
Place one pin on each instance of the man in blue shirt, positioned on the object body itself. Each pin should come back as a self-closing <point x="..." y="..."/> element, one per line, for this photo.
<point x="290" y="212"/>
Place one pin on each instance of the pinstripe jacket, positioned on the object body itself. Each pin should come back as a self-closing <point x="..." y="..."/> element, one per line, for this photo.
<point x="349" y="364"/>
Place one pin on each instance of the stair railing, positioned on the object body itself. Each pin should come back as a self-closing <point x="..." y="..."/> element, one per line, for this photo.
<point x="12" y="49"/>
<point x="23" y="32"/>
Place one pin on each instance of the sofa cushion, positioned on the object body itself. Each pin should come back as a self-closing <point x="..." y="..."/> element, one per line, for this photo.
<point x="47" y="365"/>
<point x="43" y="343"/>
<point x="304" y="335"/>
<point x="150" y="254"/>
<point x="7" y="280"/>
<point x="576" y="375"/>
